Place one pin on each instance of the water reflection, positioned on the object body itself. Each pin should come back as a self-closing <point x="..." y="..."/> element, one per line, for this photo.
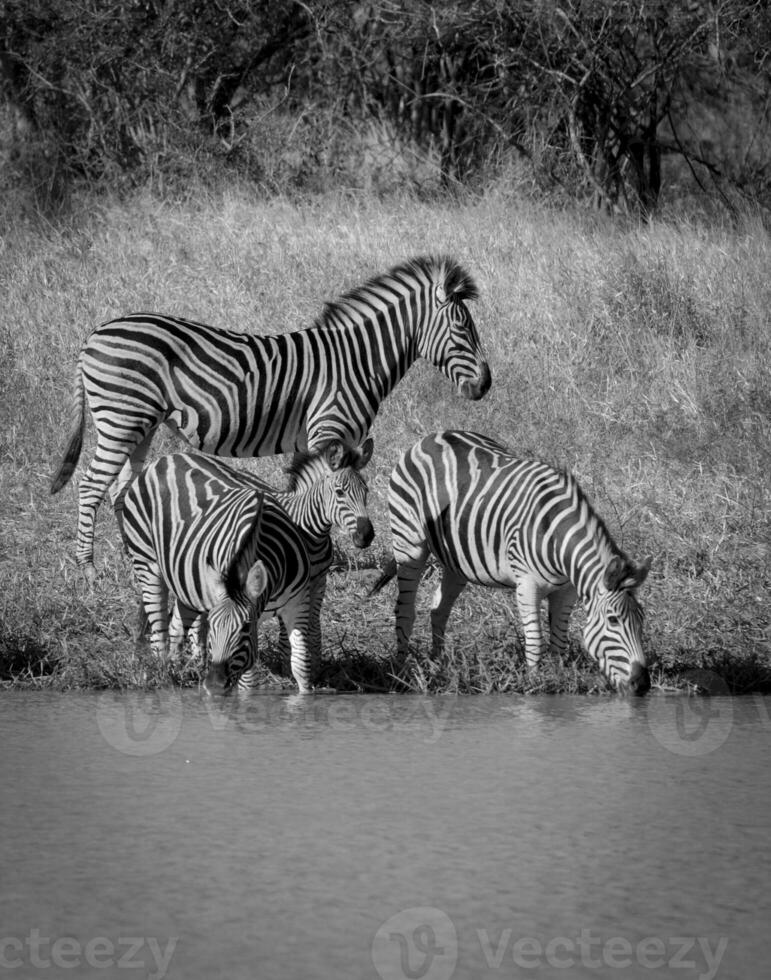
<point x="352" y="836"/>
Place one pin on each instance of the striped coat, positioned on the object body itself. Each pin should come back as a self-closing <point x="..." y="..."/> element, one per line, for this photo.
<point x="325" y="491"/>
<point x="493" y="519"/>
<point x="186" y="490"/>
<point x="204" y="550"/>
<point x="236" y="394"/>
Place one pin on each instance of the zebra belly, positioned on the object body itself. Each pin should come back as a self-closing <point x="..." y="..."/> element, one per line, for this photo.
<point x="476" y="559"/>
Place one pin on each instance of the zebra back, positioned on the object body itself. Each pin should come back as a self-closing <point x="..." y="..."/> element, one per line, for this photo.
<point x="173" y="520"/>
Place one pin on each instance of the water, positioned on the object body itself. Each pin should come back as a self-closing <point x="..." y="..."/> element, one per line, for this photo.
<point x="383" y="837"/>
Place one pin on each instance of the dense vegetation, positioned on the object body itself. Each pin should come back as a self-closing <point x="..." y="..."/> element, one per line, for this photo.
<point x="637" y="354"/>
<point x="612" y="101"/>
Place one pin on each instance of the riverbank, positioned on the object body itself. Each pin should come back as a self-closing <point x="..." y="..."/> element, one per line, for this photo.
<point x="639" y="356"/>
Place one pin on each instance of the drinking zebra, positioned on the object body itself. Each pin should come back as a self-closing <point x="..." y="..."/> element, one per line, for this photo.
<point x="205" y="550"/>
<point x="235" y="394"/>
<point x="180" y="500"/>
<point x="493" y="519"/>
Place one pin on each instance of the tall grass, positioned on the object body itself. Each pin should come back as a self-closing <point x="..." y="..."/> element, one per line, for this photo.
<point x="638" y="356"/>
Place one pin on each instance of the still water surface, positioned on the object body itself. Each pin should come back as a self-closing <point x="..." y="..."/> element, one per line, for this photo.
<point x="370" y="837"/>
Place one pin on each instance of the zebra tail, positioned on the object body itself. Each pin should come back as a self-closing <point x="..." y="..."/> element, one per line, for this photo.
<point x="74" y="446"/>
<point x="388" y="573"/>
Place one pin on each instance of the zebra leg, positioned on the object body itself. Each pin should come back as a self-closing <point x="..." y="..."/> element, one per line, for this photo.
<point x="409" y="570"/>
<point x="295" y="615"/>
<point x="560" y="604"/>
<point x="131" y="468"/>
<point x="184" y="619"/>
<point x="284" y="647"/>
<point x="155" y="597"/>
<point x="318" y="589"/>
<point x="530" y="595"/>
<point x="109" y="459"/>
<point x="197" y="633"/>
<point x="446" y="593"/>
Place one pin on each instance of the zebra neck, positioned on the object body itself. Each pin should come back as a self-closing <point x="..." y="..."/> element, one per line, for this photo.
<point x="583" y="554"/>
<point x="383" y="346"/>
<point x="306" y="508"/>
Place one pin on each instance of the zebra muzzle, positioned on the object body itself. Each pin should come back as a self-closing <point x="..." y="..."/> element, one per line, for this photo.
<point x="217" y="679"/>
<point x="364" y="533"/>
<point x="639" y="680"/>
<point x="474" y="390"/>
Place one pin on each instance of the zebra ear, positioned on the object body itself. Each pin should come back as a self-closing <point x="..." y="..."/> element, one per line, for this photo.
<point x="641" y="572"/>
<point x="364" y="455"/>
<point x="256" y="582"/>
<point x="335" y="454"/>
<point x="624" y="574"/>
<point x="238" y="575"/>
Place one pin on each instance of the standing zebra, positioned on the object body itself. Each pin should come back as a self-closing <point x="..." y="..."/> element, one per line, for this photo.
<point x="234" y="394"/>
<point x="493" y="519"/>
<point x="180" y="492"/>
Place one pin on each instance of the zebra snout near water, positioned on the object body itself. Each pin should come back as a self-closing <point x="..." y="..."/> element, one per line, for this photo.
<point x="364" y="533"/>
<point x="474" y="390"/>
<point x="639" y="680"/>
<point x="216" y="679"/>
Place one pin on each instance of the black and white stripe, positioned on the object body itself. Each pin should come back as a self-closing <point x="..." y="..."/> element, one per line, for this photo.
<point x="295" y="549"/>
<point x="493" y="519"/>
<point x="204" y="549"/>
<point x="236" y="394"/>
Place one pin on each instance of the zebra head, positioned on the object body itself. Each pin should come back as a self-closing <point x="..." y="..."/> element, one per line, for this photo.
<point x="448" y="336"/>
<point x="337" y="491"/>
<point x="613" y="630"/>
<point x="229" y="646"/>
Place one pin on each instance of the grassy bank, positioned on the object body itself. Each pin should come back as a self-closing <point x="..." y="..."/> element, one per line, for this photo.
<point x="638" y="356"/>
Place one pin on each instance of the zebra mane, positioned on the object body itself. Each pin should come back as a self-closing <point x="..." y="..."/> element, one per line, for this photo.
<point x="439" y="269"/>
<point x="442" y="270"/>
<point x="304" y="468"/>
<point x="601" y="531"/>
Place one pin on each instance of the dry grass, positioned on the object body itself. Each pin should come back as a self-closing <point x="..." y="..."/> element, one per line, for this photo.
<point x="638" y="356"/>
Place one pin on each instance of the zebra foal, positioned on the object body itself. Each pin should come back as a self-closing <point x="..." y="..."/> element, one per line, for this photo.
<point x="493" y="519"/>
<point x="236" y="394"/>
<point x="325" y="490"/>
